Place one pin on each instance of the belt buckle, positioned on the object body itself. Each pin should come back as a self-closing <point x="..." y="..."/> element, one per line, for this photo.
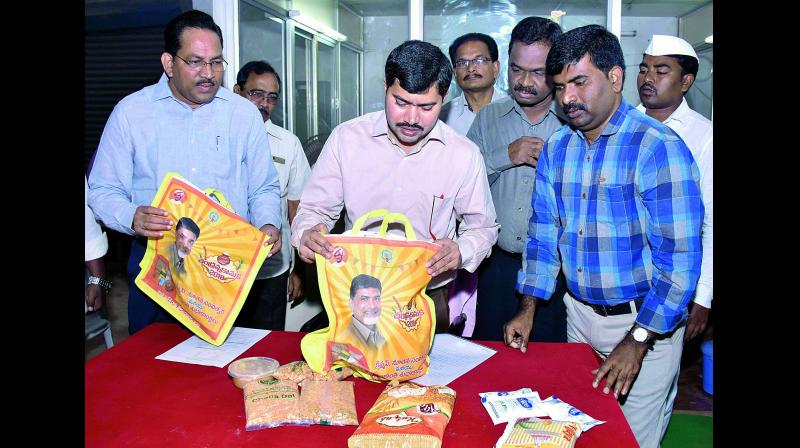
<point x="600" y="309"/>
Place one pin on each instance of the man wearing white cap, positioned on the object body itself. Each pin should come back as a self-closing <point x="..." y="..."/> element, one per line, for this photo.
<point x="668" y="69"/>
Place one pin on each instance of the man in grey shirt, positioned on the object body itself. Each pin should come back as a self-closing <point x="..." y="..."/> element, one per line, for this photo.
<point x="510" y="134"/>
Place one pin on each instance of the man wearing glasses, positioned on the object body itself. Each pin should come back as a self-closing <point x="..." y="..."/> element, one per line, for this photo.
<point x="265" y="307"/>
<point x="186" y="124"/>
<point x="476" y="65"/>
<point x="510" y="134"/>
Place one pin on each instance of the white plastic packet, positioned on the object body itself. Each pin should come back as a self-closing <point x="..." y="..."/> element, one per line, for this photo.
<point x="504" y="407"/>
<point x="560" y="410"/>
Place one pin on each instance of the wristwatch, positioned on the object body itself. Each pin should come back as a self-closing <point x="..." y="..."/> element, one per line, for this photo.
<point x="641" y="335"/>
<point x="101" y="282"/>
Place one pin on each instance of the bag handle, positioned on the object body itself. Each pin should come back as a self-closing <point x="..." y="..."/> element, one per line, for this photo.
<point x="388" y="218"/>
<point x="377" y="213"/>
<point x="397" y="217"/>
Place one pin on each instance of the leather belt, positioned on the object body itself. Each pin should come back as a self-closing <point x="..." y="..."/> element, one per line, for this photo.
<point x="614" y="310"/>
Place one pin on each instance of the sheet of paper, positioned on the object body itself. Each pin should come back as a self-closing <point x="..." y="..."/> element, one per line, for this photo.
<point x="451" y="357"/>
<point x="197" y="351"/>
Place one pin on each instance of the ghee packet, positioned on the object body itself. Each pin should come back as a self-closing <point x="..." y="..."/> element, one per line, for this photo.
<point x="531" y="432"/>
<point x="559" y="410"/>
<point x="504" y="407"/>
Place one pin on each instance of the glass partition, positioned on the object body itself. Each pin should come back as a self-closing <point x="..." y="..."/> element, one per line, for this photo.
<point x="303" y="126"/>
<point x="326" y="88"/>
<point x="261" y="37"/>
<point x="350" y="74"/>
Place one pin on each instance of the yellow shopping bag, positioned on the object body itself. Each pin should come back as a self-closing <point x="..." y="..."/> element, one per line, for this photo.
<point x="373" y="290"/>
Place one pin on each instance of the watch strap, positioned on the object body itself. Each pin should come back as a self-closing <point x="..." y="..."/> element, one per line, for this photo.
<point x="101" y="282"/>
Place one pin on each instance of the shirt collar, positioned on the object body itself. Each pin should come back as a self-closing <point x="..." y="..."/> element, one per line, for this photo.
<point x="678" y="114"/>
<point x="513" y="106"/>
<point x="615" y="122"/>
<point x="461" y="101"/>
<point x="271" y="129"/>
<point x="162" y="91"/>
<point x="380" y="127"/>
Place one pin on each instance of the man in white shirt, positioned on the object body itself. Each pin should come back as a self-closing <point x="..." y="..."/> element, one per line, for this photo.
<point x="668" y="70"/>
<point x="265" y="306"/>
<point x="95" y="247"/>
<point x="476" y="66"/>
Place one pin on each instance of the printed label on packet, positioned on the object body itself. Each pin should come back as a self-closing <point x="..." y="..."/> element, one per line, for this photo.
<point x="559" y="410"/>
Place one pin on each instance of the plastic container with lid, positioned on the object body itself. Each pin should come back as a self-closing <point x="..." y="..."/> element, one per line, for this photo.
<point x="245" y="370"/>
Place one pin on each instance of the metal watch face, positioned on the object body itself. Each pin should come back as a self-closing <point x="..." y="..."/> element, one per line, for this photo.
<point x="640" y="334"/>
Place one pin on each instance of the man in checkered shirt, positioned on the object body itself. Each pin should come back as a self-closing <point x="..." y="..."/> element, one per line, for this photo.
<point x="617" y="208"/>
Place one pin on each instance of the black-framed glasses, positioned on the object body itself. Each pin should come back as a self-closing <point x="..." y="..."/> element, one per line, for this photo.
<point x="217" y="65"/>
<point x="464" y="63"/>
<point x="260" y="95"/>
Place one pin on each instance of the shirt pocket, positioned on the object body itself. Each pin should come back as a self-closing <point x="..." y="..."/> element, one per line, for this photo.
<point x="436" y="211"/>
<point x="613" y="204"/>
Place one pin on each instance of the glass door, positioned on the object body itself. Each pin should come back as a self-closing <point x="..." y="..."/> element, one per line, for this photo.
<point x="302" y="87"/>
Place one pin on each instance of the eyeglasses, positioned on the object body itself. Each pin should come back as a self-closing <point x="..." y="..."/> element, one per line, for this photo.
<point x="464" y="63"/>
<point x="217" y="65"/>
<point x="260" y="95"/>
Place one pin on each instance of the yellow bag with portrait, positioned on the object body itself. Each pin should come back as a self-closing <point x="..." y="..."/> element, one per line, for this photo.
<point x="201" y="272"/>
<point x="373" y="290"/>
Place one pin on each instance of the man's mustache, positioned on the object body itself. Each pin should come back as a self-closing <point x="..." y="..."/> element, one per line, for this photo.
<point x="472" y="75"/>
<point x="206" y="81"/>
<point x="649" y="86"/>
<point x="526" y="89"/>
<point x="574" y="106"/>
<point x="406" y="124"/>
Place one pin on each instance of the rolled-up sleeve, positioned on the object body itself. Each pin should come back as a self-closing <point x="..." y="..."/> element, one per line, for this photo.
<point x="96" y="242"/>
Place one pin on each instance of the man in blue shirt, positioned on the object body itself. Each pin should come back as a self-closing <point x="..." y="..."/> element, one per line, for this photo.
<point x="617" y="209"/>
<point x="186" y="124"/>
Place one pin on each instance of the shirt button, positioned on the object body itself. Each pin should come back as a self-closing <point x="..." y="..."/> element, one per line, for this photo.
<point x="398" y="189"/>
<point x="589" y="158"/>
<point x="580" y="269"/>
<point x="519" y="238"/>
<point x="193" y="170"/>
<point x="580" y="232"/>
<point x="519" y="209"/>
<point x="583" y="195"/>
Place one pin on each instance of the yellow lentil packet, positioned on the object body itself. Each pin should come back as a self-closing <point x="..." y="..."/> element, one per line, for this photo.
<point x="532" y="432"/>
<point x="328" y="403"/>
<point x="271" y="402"/>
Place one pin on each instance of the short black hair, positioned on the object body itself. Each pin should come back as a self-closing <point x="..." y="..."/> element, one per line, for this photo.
<point x="417" y="65"/>
<point x="189" y="224"/>
<point x="689" y="64"/>
<point x="534" y="29"/>
<point x="189" y="19"/>
<point x="362" y="281"/>
<point x="473" y="37"/>
<point x="257" y="67"/>
<point x="600" y="44"/>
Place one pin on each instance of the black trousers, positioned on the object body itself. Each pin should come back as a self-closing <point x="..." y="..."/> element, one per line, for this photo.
<point x="498" y="301"/>
<point x="265" y="306"/>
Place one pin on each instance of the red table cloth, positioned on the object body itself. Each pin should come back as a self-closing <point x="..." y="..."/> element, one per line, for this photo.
<point x="133" y="399"/>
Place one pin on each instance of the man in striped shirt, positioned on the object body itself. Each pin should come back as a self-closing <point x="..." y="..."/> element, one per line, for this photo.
<point x="617" y="208"/>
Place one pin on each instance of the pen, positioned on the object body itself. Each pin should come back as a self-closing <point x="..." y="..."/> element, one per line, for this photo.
<point x="218" y="143"/>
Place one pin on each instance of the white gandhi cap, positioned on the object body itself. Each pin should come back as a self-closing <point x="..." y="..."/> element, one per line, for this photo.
<point x="661" y="45"/>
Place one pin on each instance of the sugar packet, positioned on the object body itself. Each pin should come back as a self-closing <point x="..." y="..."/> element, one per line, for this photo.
<point x="504" y="407"/>
<point x="560" y="410"/>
